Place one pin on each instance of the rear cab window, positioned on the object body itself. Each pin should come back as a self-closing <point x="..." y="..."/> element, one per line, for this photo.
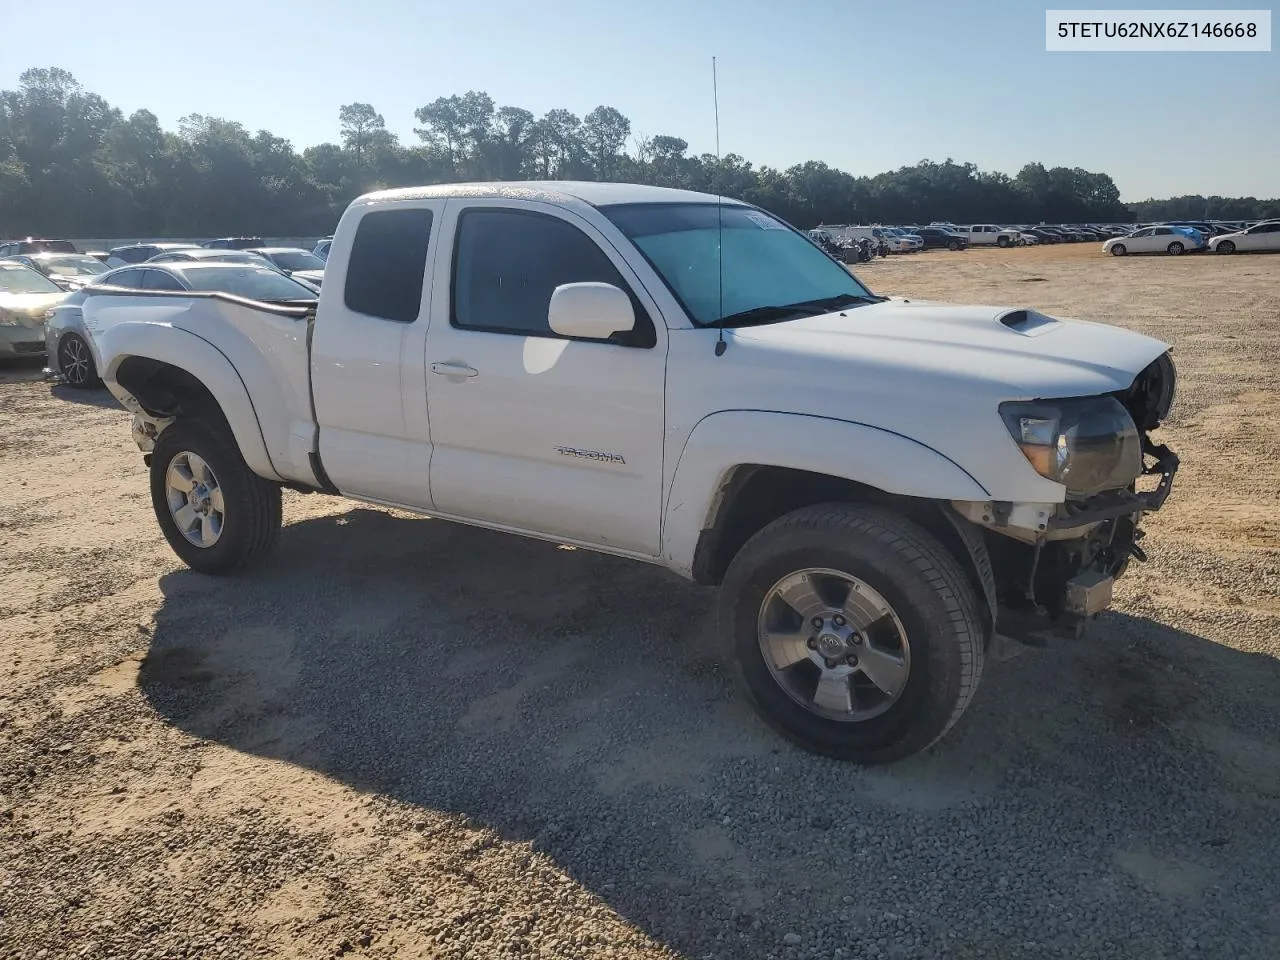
<point x="388" y="263"/>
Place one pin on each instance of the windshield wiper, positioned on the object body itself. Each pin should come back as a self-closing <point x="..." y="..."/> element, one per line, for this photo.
<point x="771" y="313"/>
<point x="845" y="300"/>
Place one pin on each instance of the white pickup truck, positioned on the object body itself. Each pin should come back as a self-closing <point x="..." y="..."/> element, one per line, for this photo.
<point x="990" y="234"/>
<point x="874" y="483"/>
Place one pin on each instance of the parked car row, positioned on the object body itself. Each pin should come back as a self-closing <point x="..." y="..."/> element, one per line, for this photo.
<point x="42" y="284"/>
<point x="1119" y="239"/>
<point x="69" y="347"/>
<point x="1176" y="239"/>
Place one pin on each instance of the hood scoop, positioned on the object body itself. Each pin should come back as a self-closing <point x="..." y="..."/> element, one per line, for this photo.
<point x="1029" y="323"/>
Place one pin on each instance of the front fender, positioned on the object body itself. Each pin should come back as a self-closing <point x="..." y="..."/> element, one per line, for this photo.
<point x="200" y="359"/>
<point x="869" y="455"/>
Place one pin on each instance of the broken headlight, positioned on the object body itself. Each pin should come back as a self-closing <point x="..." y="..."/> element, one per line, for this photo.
<point x="1088" y="444"/>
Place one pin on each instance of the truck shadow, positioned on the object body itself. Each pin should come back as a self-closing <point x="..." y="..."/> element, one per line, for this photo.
<point x="98" y="397"/>
<point x="578" y="702"/>
<point x="21" y="369"/>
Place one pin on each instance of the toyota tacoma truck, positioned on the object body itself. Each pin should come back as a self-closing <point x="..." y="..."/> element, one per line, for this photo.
<point x="876" y="485"/>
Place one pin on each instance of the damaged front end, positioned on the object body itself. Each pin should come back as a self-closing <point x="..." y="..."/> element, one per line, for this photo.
<point x="1055" y="564"/>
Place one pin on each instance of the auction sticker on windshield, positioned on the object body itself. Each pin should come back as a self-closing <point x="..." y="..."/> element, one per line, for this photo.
<point x="764" y="222"/>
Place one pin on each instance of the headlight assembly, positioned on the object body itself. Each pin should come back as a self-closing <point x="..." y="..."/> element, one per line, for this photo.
<point x="1088" y="444"/>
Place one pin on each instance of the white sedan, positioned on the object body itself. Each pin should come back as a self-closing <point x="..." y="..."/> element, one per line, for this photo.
<point x="1173" y="240"/>
<point x="1261" y="236"/>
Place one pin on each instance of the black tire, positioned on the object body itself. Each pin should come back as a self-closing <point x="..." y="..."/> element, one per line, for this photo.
<point x="252" y="519"/>
<point x="1175" y="249"/>
<point x="1118" y="250"/>
<point x="1226" y="246"/>
<point x="925" y="587"/>
<point x="75" y="362"/>
<point x="1002" y="241"/>
<point x="953" y="244"/>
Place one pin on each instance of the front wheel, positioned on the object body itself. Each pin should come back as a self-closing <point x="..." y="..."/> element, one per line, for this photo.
<point x="953" y="244"/>
<point x="75" y="362"/>
<point x="855" y="633"/>
<point x="217" y="514"/>
<point x="1227" y="246"/>
<point x="1002" y="241"/>
<point x="1118" y="250"/>
<point x="1175" y="249"/>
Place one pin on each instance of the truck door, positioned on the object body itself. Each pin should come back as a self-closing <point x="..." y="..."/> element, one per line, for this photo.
<point x="366" y="353"/>
<point x="530" y="430"/>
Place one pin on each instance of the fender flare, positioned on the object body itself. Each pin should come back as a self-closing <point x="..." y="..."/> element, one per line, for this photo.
<point x="203" y="361"/>
<point x="869" y="455"/>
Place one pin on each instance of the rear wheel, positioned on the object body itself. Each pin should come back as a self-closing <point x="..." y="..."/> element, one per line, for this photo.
<point x="75" y="361"/>
<point x="1175" y="249"/>
<point x="217" y="514"/>
<point x="1227" y="246"/>
<point x="1118" y="250"/>
<point x="855" y="633"/>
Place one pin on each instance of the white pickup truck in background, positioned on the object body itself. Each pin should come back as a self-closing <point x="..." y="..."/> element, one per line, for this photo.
<point x="874" y="483"/>
<point x="992" y="235"/>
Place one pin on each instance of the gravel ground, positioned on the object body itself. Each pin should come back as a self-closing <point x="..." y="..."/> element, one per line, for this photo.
<point x="408" y="738"/>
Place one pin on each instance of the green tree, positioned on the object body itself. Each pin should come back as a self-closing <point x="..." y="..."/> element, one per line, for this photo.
<point x="72" y="164"/>
<point x="604" y="131"/>
<point x="364" y="132"/>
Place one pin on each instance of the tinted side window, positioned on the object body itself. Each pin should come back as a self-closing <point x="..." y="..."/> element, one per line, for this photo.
<point x="508" y="263"/>
<point x="387" y="264"/>
<point x="126" y="278"/>
<point x="159" y="280"/>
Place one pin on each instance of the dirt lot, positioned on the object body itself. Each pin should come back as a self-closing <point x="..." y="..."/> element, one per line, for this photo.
<point x="407" y="738"/>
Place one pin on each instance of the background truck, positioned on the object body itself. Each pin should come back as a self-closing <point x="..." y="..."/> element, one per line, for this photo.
<point x="875" y="484"/>
<point x="990" y="234"/>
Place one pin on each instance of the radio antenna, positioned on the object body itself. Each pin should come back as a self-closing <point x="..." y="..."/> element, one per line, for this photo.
<point x="721" y="346"/>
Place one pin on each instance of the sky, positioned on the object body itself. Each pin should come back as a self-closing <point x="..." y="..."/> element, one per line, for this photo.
<point x="863" y="86"/>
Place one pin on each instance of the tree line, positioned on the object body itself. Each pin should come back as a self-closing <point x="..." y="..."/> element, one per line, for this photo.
<point x="73" y="165"/>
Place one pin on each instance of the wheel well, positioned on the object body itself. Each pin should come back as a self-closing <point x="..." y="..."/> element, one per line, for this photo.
<point x="754" y="496"/>
<point x="164" y="390"/>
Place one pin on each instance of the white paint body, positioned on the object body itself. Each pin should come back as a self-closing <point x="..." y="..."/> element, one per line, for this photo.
<point x="990" y="235"/>
<point x="1261" y="236"/>
<point x="1152" y="240"/>
<point x="622" y="449"/>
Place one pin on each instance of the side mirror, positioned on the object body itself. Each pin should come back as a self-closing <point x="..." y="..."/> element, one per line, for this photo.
<point x="593" y="311"/>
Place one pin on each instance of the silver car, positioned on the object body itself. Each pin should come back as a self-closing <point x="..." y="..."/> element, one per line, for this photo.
<point x="73" y="356"/>
<point x="26" y="297"/>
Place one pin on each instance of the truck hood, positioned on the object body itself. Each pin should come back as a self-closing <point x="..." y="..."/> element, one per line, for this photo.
<point x="1011" y="352"/>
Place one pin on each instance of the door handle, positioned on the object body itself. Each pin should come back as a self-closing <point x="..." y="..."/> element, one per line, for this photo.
<point x="454" y="370"/>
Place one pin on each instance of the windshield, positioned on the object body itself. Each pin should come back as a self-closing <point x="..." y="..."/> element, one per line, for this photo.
<point x="48" y="246"/>
<point x="73" y="266"/>
<point x="297" y="260"/>
<point x="766" y="263"/>
<point x="256" y="283"/>
<point x="16" y="278"/>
